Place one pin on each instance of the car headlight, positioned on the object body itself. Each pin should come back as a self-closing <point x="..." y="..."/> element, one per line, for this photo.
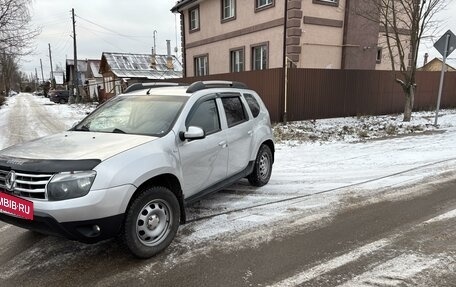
<point x="66" y="185"/>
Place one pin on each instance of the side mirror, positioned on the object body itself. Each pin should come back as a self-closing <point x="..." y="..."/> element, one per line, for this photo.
<point x="193" y="133"/>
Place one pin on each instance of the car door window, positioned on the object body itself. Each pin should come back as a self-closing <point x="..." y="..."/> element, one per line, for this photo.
<point x="234" y="110"/>
<point x="253" y="104"/>
<point x="206" y="117"/>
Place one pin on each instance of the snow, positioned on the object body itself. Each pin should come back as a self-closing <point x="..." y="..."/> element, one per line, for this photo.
<point x="448" y="215"/>
<point x="320" y="167"/>
<point x="318" y="163"/>
<point x="395" y="272"/>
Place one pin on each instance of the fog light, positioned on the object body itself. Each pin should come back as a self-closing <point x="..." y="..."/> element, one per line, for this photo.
<point x="96" y="229"/>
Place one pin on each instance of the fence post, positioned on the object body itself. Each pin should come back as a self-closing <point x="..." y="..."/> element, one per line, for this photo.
<point x="287" y="60"/>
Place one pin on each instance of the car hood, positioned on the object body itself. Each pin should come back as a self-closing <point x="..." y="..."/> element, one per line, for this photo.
<point x="73" y="145"/>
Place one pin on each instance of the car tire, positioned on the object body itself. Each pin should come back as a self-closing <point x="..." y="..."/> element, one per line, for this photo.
<point x="151" y="222"/>
<point x="62" y="101"/>
<point x="262" y="167"/>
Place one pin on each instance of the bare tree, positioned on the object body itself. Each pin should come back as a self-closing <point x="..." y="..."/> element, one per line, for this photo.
<point x="405" y="23"/>
<point x="8" y="69"/>
<point x="16" y="36"/>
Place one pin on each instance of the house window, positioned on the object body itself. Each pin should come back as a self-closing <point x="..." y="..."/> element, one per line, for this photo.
<point x="260" y="57"/>
<point x="201" y="65"/>
<point x="263" y="4"/>
<point x="237" y="60"/>
<point x="228" y="9"/>
<point x="194" y="19"/>
<point x="327" y="2"/>
<point x="379" y="55"/>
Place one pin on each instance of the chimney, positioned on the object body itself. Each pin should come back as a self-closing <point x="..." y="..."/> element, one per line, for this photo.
<point x="169" y="59"/>
<point x="153" y="60"/>
<point x="426" y="56"/>
<point x="168" y="48"/>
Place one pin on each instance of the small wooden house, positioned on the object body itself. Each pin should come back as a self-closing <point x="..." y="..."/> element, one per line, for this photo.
<point x="121" y="69"/>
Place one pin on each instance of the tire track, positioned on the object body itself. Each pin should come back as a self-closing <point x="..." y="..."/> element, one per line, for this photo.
<point x="299" y="198"/>
<point x="28" y="120"/>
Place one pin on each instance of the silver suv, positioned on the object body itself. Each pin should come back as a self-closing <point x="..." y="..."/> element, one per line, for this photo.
<point x="131" y="166"/>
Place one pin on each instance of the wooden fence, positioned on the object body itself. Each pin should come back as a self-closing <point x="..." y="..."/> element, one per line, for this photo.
<point x="318" y="93"/>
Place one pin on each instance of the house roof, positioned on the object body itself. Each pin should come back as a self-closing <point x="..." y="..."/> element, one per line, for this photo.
<point x="82" y="64"/>
<point x="180" y="4"/>
<point x="125" y="65"/>
<point x="94" y="67"/>
<point x="436" y="65"/>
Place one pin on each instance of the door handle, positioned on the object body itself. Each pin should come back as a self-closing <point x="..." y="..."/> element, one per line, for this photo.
<point x="223" y="144"/>
<point x="250" y="132"/>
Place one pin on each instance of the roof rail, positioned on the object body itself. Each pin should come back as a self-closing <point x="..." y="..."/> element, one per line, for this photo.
<point x="150" y="85"/>
<point x="201" y="85"/>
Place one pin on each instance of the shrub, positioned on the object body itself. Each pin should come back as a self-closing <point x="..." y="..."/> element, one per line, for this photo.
<point x="391" y="129"/>
<point x="2" y="100"/>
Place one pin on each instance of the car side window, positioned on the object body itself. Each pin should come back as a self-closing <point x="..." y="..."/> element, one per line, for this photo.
<point x="253" y="104"/>
<point x="234" y="110"/>
<point x="206" y="117"/>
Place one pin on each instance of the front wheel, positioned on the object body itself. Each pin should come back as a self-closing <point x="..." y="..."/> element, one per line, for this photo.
<point x="262" y="168"/>
<point x="151" y="222"/>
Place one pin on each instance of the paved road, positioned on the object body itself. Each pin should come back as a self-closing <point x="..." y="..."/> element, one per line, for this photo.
<point x="392" y="243"/>
<point x="388" y="240"/>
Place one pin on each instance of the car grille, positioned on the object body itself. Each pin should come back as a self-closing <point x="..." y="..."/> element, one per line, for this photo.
<point x="31" y="185"/>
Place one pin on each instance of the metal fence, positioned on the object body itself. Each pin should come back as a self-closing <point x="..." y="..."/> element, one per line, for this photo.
<point x="318" y="93"/>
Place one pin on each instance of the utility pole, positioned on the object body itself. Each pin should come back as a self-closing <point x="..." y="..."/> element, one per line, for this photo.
<point x="42" y="75"/>
<point x="52" y="70"/>
<point x="155" y="46"/>
<point x="75" y="66"/>
<point x="36" y="79"/>
<point x="4" y="71"/>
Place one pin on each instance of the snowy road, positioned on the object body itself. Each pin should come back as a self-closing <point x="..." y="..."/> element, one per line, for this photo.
<point x="313" y="188"/>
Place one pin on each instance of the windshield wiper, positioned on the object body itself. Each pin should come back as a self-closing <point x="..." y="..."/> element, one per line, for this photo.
<point x="83" y="128"/>
<point x="118" y="131"/>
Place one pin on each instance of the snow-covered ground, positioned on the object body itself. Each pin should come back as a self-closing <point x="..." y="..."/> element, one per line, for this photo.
<point x="320" y="167"/>
<point x="312" y="157"/>
<point x="329" y="156"/>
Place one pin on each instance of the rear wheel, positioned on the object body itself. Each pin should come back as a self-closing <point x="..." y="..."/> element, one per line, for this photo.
<point x="151" y="222"/>
<point x="62" y="101"/>
<point x="262" y="168"/>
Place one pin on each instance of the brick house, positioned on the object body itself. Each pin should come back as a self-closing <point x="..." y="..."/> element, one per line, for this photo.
<point x="222" y="36"/>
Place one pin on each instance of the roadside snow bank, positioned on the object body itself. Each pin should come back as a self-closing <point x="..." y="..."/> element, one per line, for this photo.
<point x="355" y="129"/>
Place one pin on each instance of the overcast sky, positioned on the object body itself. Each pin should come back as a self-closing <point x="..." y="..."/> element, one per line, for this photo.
<point x="101" y="26"/>
<point x="127" y="26"/>
<point x="446" y="21"/>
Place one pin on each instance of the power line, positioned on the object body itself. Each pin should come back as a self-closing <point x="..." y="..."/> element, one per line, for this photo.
<point x="113" y="31"/>
<point x="104" y="40"/>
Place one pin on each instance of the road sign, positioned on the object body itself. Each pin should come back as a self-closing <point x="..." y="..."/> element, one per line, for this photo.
<point x="440" y="44"/>
<point x="445" y="45"/>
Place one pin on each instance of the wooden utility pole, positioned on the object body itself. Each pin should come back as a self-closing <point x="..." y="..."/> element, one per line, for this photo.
<point x="37" y="81"/>
<point x="52" y="70"/>
<point x="42" y="74"/>
<point x="75" y="66"/>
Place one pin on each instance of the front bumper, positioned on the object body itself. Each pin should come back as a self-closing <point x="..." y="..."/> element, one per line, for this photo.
<point x="89" y="231"/>
<point x="97" y="216"/>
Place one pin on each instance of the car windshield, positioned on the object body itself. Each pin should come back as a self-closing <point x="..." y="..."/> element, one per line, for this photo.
<point x="144" y="115"/>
